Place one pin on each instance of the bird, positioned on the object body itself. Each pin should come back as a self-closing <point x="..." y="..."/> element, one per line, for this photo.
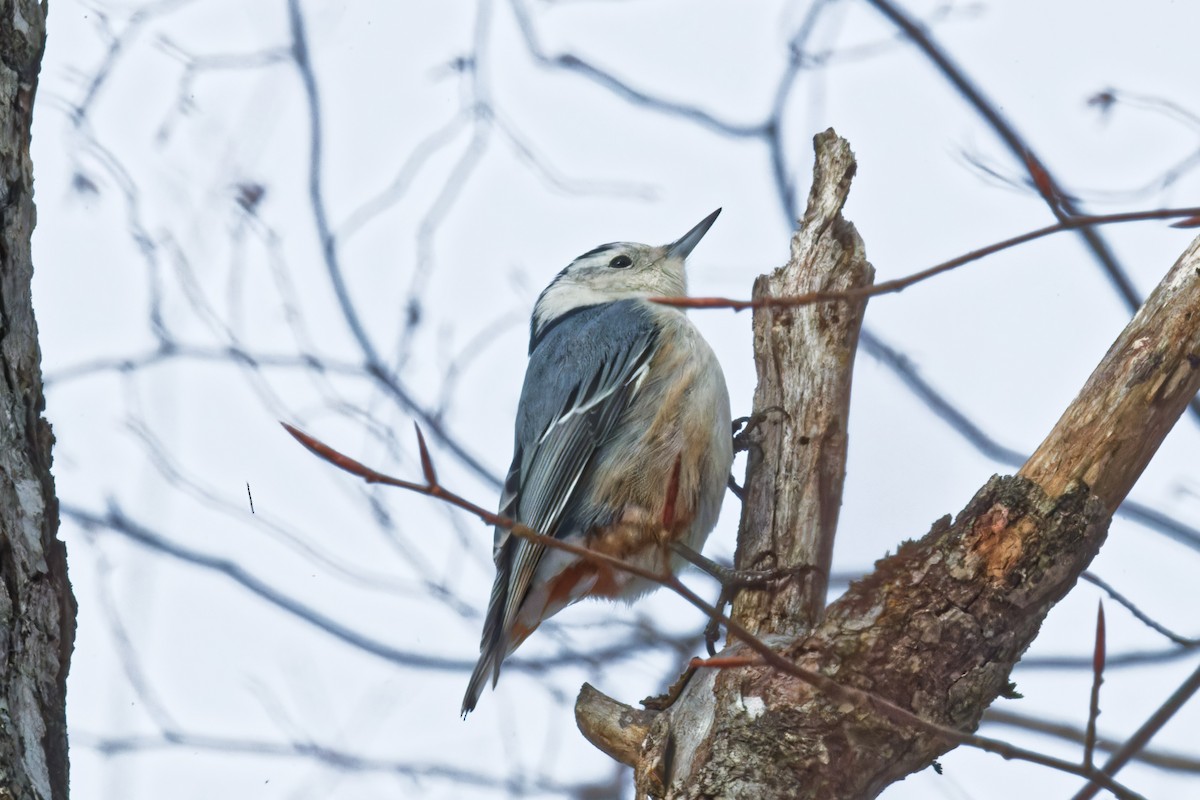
<point x="623" y="441"/>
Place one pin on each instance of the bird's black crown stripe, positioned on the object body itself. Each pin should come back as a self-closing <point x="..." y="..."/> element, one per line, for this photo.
<point x="604" y="248"/>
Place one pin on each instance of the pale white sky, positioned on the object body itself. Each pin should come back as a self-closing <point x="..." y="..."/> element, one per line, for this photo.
<point x="542" y="164"/>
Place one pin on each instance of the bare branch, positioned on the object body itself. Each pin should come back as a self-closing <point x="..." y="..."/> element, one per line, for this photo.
<point x="1176" y="762"/>
<point x="600" y="717"/>
<point x="1057" y="200"/>
<point x="1089" y="740"/>
<point x="1010" y="556"/>
<point x="1143" y="734"/>
<point x="1133" y="398"/>
<point x="375" y="365"/>
<point x="1140" y="615"/>
<point x="974" y="434"/>
<point x="1190" y="218"/>
<point x="615" y="726"/>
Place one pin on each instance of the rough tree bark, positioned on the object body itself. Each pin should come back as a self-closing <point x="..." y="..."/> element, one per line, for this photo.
<point x="805" y="358"/>
<point x="936" y="628"/>
<point x="37" y="609"/>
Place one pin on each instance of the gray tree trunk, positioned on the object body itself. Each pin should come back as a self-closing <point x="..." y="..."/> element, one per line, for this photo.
<point x="37" y="609"/>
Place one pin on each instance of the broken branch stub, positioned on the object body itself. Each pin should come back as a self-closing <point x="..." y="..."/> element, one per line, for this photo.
<point x="804" y="358"/>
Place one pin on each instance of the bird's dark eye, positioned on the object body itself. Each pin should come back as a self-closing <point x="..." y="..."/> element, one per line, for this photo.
<point x="621" y="262"/>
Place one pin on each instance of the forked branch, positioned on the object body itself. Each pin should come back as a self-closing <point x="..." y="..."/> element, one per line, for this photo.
<point x="909" y="657"/>
<point x="1188" y="217"/>
<point x="937" y="628"/>
<point x="618" y="729"/>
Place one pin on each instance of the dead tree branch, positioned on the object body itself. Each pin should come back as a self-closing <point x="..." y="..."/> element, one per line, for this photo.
<point x="937" y="628"/>
<point x="1132" y="399"/>
<point x="804" y="358"/>
<point x="618" y="729"/>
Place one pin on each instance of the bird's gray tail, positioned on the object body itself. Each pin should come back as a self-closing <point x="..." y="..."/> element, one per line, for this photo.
<point x="493" y="645"/>
<point x="488" y="666"/>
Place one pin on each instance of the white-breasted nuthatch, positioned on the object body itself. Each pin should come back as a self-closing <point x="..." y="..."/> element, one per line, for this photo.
<point x="623" y="440"/>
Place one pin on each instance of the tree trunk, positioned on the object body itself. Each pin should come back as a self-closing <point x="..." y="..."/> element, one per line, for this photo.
<point x="37" y="610"/>
<point x="936" y="628"/>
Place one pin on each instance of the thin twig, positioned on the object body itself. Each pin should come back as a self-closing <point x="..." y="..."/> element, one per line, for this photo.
<point x="1089" y="740"/>
<point x="831" y="688"/>
<point x="1162" y="759"/>
<point x="726" y="662"/>
<point x="1187" y="217"/>
<point x="374" y="362"/>
<point x="1141" y="616"/>
<point x="1059" y="202"/>
<point x="1056" y="200"/>
<point x="1143" y="734"/>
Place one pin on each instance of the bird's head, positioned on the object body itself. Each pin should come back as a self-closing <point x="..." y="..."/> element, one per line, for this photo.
<point x="618" y="271"/>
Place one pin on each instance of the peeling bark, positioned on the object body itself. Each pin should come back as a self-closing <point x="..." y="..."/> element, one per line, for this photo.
<point x="936" y="628"/>
<point x="37" y="610"/>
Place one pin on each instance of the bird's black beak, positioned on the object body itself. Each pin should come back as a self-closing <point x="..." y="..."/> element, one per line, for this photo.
<point x="684" y="245"/>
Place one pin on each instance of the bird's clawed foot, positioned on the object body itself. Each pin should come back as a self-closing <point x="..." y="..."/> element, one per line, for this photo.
<point x="661" y="702"/>
<point x="744" y="426"/>
<point x="732" y="581"/>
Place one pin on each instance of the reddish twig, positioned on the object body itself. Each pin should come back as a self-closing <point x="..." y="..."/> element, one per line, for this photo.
<point x="1143" y="735"/>
<point x="725" y="662"/>
<point x="1098" y="654"/>
<point x="1191" y="218"/>
<point x="1045" y="184"/>
<point x="430" y="489"/>
<point x="831" y="688"/>
<point x="1059" y="203"/>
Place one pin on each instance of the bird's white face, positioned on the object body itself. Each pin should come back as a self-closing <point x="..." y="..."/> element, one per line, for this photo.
<point x="611" y="272"/>
<point x="619" y="271"/>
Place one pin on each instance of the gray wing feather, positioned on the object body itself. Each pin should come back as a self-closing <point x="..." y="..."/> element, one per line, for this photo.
<point x="581" y="377"/>
<point x="579" y="381"/>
